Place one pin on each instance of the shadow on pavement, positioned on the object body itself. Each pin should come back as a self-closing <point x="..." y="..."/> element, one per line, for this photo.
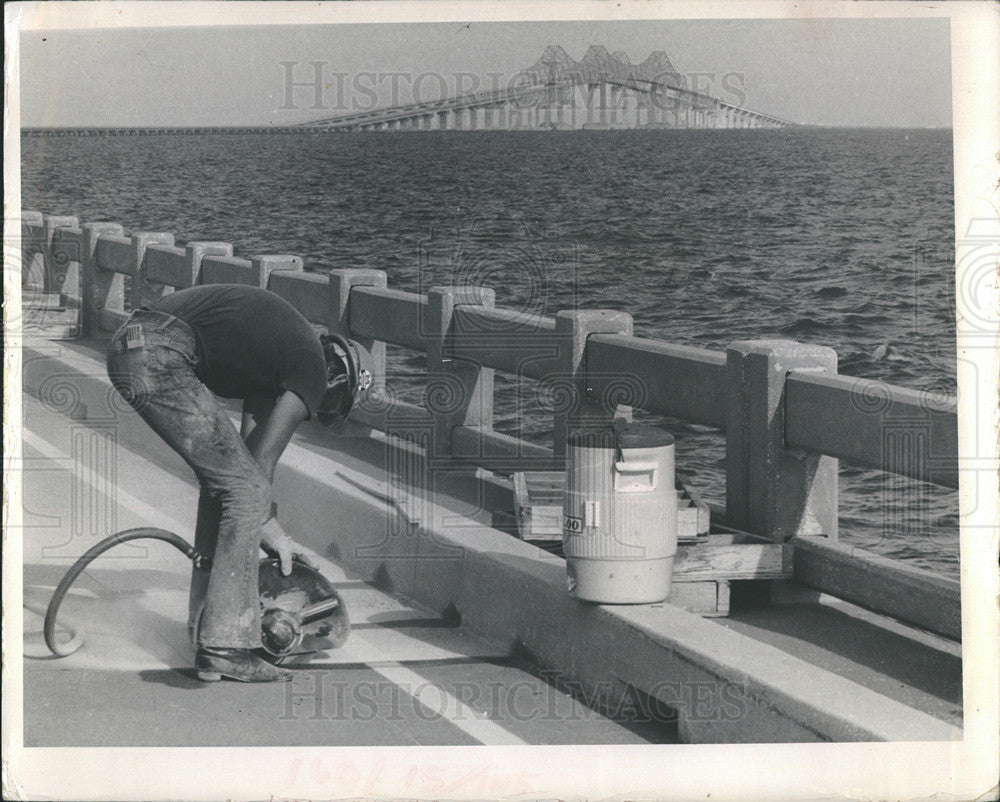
<point x="183" y="678"/>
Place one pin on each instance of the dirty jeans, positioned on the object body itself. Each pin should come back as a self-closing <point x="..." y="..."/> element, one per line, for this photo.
<point x="151" y="361"/>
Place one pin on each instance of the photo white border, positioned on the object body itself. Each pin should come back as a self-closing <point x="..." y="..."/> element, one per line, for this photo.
<point x="961" y="771"/>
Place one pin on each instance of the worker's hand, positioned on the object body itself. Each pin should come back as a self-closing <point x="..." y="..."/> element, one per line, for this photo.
<point x="278" y="545"/>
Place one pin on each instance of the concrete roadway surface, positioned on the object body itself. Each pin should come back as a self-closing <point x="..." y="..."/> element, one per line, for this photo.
<point x="404" y="677"/>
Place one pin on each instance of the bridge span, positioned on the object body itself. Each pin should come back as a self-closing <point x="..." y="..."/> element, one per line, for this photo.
<point x="601" y="91"/>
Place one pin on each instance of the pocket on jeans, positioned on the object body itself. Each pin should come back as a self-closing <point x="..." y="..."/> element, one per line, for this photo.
<point x="180" y="343"/>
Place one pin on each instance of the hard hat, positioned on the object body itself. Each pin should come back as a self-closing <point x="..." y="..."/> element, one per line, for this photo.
<point x="348" y="378"/>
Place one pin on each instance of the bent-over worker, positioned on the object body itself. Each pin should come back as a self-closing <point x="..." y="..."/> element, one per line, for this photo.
<point x="169" y="361"/>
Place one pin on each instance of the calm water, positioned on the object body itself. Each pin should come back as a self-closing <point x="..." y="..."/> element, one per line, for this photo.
<point x="837" y="237"/>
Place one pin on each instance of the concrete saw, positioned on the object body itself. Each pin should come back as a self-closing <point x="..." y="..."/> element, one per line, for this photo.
<point x="300" y="613"/>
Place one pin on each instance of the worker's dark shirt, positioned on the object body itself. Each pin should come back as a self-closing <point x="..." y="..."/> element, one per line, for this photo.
<point x="250" y="342"/>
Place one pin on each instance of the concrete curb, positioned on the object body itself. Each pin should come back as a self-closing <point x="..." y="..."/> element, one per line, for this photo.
<point x="345" y="499"/>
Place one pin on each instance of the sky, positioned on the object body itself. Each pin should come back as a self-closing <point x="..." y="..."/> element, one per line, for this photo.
<point x="860" y="72"/>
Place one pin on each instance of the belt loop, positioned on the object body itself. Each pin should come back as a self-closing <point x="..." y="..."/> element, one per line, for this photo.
<point x="170" y="319"/>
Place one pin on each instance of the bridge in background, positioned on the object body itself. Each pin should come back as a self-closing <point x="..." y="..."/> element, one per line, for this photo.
<point x="602" y="91"/>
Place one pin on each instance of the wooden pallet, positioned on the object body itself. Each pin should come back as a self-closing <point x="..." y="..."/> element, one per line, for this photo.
<point x="538" y="505"/>
<point x="703" y="571"/>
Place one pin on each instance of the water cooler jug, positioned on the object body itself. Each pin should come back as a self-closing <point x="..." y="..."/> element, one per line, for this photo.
<point x="620" y="514"/>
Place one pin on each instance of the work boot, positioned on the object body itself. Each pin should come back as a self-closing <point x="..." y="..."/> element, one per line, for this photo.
<point x="213" y="663"/>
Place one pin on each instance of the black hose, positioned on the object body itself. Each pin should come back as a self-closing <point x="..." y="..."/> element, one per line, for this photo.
<point x="143" y="532"/>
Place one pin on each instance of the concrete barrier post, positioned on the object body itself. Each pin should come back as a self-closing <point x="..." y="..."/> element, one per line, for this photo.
<point x="32" y="250"/>
<point x="772" y="490"/>
<point x="98" y="288"/>
<point x="55" y="264"/>
<point x="573" y="407"/>
<point x="196" y="251"/>
<point x="266" y="264"/>
<point x="342" y="281"/>
<point x="459" y="393"/>
<point x="136" y="290"/>
<point x="67" y="247"/>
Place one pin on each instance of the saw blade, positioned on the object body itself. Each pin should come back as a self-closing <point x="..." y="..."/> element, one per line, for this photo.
<point x="302" y="588"/>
